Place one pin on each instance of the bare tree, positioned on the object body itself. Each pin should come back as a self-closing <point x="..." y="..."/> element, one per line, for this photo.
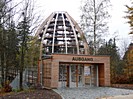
<point x="124" y="46"/>
<point x="94" y="20"/>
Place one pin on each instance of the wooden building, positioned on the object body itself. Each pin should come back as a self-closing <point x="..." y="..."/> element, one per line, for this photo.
<point x="64" y="55"/>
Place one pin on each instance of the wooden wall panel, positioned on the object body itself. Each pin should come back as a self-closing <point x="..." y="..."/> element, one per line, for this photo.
<point x="103" y="63"/>
<point x="101" y="75"/>
<point x="47" y="66"/>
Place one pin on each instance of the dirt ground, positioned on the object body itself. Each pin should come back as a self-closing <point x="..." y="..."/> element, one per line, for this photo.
<point x="35" y="94"/>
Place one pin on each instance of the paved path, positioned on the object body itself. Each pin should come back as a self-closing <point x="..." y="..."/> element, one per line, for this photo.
<point x="130" y="96"/>
<point x="94" y="93"/>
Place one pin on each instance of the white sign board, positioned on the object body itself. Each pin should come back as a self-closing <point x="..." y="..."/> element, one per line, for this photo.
<point x="87" y="71"/>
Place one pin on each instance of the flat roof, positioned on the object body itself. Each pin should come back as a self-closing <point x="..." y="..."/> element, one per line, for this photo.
<point x="81" y="55"/>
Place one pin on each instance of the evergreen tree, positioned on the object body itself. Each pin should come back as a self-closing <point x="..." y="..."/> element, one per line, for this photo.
<point x="23" y="30"/>
<point x="110" y="48"/>
<point x="8" y="40"/>
<point x="11" y="50"/>
<point x="130" y="16"/>
<point x="2" y="41"/>
<point x="32" y="54"/>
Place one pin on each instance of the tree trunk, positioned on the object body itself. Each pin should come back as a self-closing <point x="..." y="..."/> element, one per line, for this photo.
<point x="21" y="69"/>
<point x="2" y="69"/>
<point x="94" y="27"/>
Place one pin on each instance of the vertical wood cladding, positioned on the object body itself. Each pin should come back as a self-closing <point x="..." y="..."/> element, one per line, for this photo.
<point x="51" y="74"/>
<point x="46" y="77"/>
<point x="55" y="74"/>
<point x="101" y="75"/>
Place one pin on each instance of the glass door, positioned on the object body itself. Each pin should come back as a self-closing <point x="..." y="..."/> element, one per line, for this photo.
<point x="76" y="75"/>
<point x="62" y="75"/>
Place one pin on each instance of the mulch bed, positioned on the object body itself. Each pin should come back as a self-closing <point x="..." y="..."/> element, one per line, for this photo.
<point x="34" y="94"/>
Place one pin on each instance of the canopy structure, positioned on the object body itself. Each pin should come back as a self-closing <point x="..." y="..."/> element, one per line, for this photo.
<point x="60" y="33"/>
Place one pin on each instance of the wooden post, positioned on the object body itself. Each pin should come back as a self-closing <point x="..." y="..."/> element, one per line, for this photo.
<point x="67" y="82"/>
<point x="70" y="76"/>
<point x="38" y="77"/>
<point x="77" y="75"/>
<point x="97" y="76"/>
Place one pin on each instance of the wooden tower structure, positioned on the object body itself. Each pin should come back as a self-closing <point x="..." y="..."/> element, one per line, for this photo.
<point x="60" y="33"/>
<point x="64" y="55"/>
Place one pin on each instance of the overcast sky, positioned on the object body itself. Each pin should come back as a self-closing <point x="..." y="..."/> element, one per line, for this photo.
<point x="116" y="24"/>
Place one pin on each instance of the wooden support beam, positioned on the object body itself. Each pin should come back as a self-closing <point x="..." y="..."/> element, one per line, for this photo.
<point x="38" y="76"/>
<point x="67" y="84"/>
<point x="77" y="75"/>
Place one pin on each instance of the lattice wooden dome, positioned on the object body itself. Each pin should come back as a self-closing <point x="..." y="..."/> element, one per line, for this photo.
<point x="60" y="33"/>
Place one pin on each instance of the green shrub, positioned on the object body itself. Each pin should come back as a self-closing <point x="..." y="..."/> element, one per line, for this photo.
<point x="16" y="90"/>
<point x="122" y="79"/>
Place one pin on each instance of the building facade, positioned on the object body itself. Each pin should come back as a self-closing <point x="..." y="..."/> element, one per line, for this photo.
<point x="64" y="55"/>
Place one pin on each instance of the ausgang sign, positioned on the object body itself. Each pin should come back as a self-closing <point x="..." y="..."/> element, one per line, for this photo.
<point x="81" y="59"/>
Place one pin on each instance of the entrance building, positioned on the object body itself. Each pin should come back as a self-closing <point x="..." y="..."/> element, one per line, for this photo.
<point x="61" y="70"/>
<point x="65" y="59"/>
